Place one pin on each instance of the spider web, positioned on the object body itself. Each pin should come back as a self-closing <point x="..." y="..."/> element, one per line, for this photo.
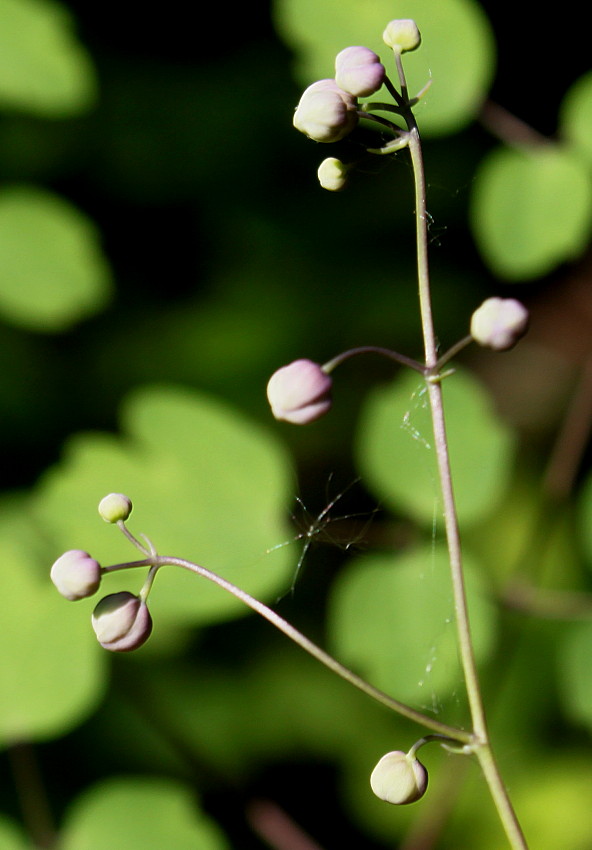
<point x="322" y="528"/>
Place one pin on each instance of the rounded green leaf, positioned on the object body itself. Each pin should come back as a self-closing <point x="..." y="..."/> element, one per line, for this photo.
<point x="576" y="116"/>
<point x="395" y="448"/>
<point x="531" y="210"/>
<point x="137" y="813"/>
<point x="456" y="53"/>
<point x="53" y="671"/>
<point x="43" y="68"/>
<point x="52" y="270"/>
<point x="206" y="484"/>
<point x="391" y="618"/>
<point x="576" y="673"/>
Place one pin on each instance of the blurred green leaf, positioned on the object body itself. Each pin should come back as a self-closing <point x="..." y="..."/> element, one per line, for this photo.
<point x="395" y="454"/>
<point x="457" y="50"/>
<point x="576" y="116"/>
<point x="11" y="837"/>
<point x="392" y="618"/>
<point x="44" y="70"/>
<point x="52" y="271"/>
<point x="52" y="671"/>
<point x="550" y="799"/>
<point x="585" y="518"/>
<point x="531" y="210"/>
<point x="135" y="812"/>
<point x="206" y="483"/>
<point x="576" y="674"/>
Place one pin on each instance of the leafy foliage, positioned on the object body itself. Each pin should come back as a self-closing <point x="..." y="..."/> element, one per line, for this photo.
<point x="165" y="245"/>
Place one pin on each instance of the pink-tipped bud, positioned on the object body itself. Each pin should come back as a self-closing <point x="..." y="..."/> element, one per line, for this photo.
<point x="499" y="323"/>
<point x="326" y="113"/>
<point x="76" y="575"/>
<point x="115" y="507"/>
<point x="332" y="174"/>
<point x="402" y="35"/>
<point x="358" y="70"/>
<point x="300" y="392"/>
<point x="121" y="622"/>
<point x="399" y="778"/>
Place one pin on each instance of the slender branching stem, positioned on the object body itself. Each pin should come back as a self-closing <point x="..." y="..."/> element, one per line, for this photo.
<point x="290" y="631"/>
<point x="373" y="349"/>
<point x="482" y="746"/>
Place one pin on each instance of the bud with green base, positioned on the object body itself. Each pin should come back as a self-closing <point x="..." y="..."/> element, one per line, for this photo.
<point x="402" y="35"/>
<point x="115" y="507"/>
<point x="332" y="174"/>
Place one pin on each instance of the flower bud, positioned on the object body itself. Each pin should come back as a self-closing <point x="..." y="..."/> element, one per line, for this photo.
<point x="300" y="392"/>
<point x="402" y="35"/>
<point x="115" y="507"/>
<point x="499" y="323"/>
<point x="121" y="622"/>
<point x="359" y="71"/>
<point x="399" y="778"/>
<point x="332" y="174"/>
<point x="76" y="575"/>
<point x="326" y="113"/>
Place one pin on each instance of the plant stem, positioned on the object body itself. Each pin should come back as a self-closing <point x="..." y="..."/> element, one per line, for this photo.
<point x="481" y="746"/>
<point x="290" y="631"/>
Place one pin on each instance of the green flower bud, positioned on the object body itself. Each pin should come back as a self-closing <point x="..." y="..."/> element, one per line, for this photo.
<point x="300" y="392"/>
<point x="76" y="575"/>
<point x="399" y="778"/>
<point x="499" y="323"/>
<point x="358" y="70"/>
<point x="402" y="35"/>
<point x="121" y="622"/>
<point x="332" y="174"/>
<point x="115" y="507"/>
<point x="326" y="113"/>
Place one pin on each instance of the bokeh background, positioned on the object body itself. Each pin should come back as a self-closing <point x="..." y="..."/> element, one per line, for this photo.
<point x="164" y="247"/>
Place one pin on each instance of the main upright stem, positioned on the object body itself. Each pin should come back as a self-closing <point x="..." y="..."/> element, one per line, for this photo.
<point x="481" y="745"/>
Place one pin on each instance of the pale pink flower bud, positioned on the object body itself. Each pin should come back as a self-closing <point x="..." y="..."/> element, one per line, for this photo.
<point x="300" y="392"/>
<point x="76" y="575"/>
<point x="358" y="70"/>
<point x="115" y="507"/>
<point x="499" y="323"/>
<point x="399" y="778"/>
<point x="326" y="113"/>
<point x="121" y="622"/>
<point x="332" y="174"/>
<point x="402" y="34"/>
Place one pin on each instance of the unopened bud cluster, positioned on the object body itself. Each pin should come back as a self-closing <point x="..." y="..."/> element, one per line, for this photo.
<point x="329" y="110"/>
<point x="121" y="621"/>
